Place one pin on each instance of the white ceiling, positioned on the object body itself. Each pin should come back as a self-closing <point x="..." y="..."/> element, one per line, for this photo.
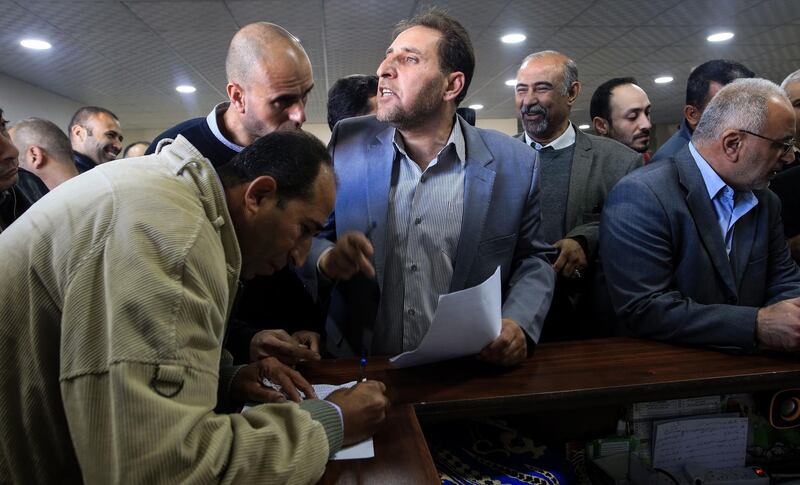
<point x="129" y="55"/>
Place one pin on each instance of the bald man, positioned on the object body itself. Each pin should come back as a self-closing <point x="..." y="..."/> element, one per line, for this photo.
<point x="44" y="150"/>
<point x="269" y="78"/>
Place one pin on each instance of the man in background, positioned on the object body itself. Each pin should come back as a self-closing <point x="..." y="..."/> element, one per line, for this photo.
<point x="577" y="172"/>
<point x="13" y="203"/>
<point x="704" y="82"/>
<point x="351" y="96"/>
<point x="620" y="110"/>
<point x="787" y="183"/>
<point x="135" y="149"/>
<point x="96" y="137"/>
<point x="45" y="152"/>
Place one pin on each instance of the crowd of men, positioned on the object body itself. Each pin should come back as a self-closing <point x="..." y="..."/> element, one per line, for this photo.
<point x="153" y="297"/>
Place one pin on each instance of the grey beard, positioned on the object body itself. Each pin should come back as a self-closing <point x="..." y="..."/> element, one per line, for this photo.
<point x="536" y="128"/>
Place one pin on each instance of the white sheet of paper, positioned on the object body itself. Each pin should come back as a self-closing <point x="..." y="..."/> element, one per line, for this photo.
<point x="365" y="449"/>
<point x="464" y="323"/>
<point x="714" y="442"/>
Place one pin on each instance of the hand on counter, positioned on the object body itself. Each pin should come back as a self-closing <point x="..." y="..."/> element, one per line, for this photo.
<point x="248" y="385"/>
<point x="510" y="348"/>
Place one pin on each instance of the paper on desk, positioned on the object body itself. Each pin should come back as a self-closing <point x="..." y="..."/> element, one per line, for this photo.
<point x="716" y="442"/>
<point x="464" y="323"/>
<point x="364" y="449"/>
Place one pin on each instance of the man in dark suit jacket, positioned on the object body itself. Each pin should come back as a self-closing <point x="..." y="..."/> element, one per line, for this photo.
<point x="703" y="83"/>
<point x="692" y="247"/>
<point x="428" y="204"/>
<point x="577" y="172"/>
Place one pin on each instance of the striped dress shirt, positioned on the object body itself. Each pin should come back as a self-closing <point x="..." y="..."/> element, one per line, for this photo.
<point x="424" y="225"/>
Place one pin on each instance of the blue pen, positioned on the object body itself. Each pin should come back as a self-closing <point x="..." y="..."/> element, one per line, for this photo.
<point x="363" y="368"/>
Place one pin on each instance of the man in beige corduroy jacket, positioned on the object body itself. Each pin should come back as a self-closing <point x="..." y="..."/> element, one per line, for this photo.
<point x="116" y="288"/>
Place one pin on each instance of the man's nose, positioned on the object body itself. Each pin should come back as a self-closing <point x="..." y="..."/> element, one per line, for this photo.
<point x="297" y="113"/>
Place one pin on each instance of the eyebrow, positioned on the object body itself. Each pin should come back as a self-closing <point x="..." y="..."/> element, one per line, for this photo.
<point x="413" y="50"/>
<point x="292" y="96"/>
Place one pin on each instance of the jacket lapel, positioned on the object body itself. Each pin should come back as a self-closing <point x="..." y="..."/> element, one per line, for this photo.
<point x="704" y="216"/>
<point x="380" y="159"/>
<point x="478" y="184"/>
<point x="578" y="177"/>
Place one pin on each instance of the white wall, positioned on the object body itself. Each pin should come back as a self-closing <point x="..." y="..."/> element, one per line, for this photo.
<point x="20" y="100"/>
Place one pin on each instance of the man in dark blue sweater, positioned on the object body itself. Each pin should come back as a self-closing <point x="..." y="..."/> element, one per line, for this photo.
<point x="269" y="79"/>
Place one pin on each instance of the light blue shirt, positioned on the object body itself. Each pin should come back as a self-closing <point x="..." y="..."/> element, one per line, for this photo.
<point x="730" y="205"/>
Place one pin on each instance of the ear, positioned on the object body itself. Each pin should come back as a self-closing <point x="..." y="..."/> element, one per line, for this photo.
<point x="692" y="115"/>
<point x="236" y="95"/>
<point x="732" y="144"/>
<point x="78" y="132"/>
<point x="600" y="126"/>
<point x="455" y="84"/>
<point x="574" y="91"/>
<point x="35" y="157"/>
<point x="260" y="192"/>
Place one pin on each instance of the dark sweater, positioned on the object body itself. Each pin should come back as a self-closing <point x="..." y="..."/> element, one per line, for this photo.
<point x="201" y="137"/>
<point x="280" y="301"/>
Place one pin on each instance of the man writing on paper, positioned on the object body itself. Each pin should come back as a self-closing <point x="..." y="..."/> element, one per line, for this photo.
<point x="113" y="368"/>
<point x="443" y="204"/>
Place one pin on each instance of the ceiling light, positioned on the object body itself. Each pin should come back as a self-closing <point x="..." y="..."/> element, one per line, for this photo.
<point x="512" y="38"/>
<point x="583" y="127"/>
<point x="720" y="37"/>
<point x="476" y="106"/>
<point x="663" y="80"/>
<point x="511" y="82"/>
<point x="36" y="44"/>
<point x="185" y="88"/>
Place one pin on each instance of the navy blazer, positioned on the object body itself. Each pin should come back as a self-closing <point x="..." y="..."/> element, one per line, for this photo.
<point x="667" y="271"/>
<point x="500" y="226"/>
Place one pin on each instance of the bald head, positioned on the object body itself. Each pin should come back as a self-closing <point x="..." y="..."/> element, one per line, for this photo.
<point x="269" y="78"/>
<point x="44" y="150"/>
<point x="44" y="134"/>
<point x="257" y="43"/>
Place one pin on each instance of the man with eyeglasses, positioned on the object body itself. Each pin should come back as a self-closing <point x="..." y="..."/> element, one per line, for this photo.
<point x="692" y="246"/>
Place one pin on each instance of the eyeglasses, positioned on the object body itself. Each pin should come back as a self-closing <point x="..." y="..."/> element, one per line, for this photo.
<point x="785" y="146"/>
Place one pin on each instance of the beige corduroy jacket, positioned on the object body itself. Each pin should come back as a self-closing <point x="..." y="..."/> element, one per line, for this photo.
<point x="115" y="290"/>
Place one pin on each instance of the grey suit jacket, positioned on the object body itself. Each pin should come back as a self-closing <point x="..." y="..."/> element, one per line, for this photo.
<point x="597" y="165"/>
<point x="500" y="226"/>
<point x="668" y="275"/>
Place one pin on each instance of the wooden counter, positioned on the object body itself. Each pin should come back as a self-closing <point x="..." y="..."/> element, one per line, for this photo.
<point x="568" y="375"/>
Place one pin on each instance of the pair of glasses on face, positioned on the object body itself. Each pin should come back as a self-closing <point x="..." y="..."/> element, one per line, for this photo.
<point x="784" y="146"/>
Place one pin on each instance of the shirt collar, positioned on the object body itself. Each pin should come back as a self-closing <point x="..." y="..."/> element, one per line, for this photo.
<point x="714" y="183"/>
<point x="564" y="140"/>
<point x="211" y="119"/>
<point x="456" y="138"/>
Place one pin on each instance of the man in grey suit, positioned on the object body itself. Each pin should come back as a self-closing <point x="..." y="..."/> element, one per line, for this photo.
<point x="577" y="172"/>
<point x="428" y="205"/>
<point x="693" y="247"/>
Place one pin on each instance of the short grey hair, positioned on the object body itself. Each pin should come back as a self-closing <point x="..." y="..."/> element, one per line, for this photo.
<point x="43" y="134"/>
<point x="741" y="105"/>
<point x="791" y="79"/>
<point x="570" y="74"/>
